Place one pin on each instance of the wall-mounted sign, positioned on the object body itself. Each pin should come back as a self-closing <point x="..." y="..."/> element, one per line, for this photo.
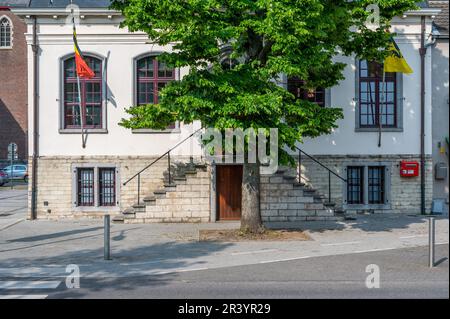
<point x="12" y="152"/>
<point x="409" y="168"/>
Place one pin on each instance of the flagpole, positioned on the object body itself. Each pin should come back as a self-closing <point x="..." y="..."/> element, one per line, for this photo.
<point x="83" y="142"/>
<point x="380" y="109"/>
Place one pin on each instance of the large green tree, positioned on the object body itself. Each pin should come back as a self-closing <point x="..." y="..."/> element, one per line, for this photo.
<point x="258" y="40"/>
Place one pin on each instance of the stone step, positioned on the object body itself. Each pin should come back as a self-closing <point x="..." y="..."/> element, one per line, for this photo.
<point x="118" y="219"/>
<point x="170" y="187"/>
<point x="160" y="192"/>
<point x="329" y="204"/>
<point x="137" y="208"/>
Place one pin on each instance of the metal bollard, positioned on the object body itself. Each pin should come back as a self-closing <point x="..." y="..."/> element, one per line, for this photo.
<point x="431" y="238"/>
<point x="107" y="238"/>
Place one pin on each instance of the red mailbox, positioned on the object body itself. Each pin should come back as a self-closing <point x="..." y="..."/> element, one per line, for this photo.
<point x="409" y="169"/>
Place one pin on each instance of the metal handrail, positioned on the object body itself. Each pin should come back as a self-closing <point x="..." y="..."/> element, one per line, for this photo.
<point x="318" y="162"/>
<point x="138" y="174"/>
<point x="327" y="168"/>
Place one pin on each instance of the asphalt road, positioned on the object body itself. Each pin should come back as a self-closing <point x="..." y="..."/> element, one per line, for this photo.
<point x="403" y="274"/>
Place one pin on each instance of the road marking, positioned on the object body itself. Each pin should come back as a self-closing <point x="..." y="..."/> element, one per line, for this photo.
<point x="177" y="270"/>
<point x="29" y="284"/>
<point x="344" y="243"/>
<point x="412" y="236"/>
<point x="12" y="224"/>
<point x="278" y="260"/>
<point x="254" y="252"/>
<point x="34" y="272"/>
<point x="376" y="249"/>
<point x="23" y="297"/>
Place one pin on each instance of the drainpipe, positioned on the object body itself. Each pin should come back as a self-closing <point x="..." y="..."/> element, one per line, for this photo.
<point x="422" y="51"/>
<point x="35" y="49"/>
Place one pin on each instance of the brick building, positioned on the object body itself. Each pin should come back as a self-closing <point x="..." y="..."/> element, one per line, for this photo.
<point x="13" y="79"/>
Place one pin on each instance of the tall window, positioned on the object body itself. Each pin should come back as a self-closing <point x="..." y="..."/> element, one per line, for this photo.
<point x="85" y="187"/>
<point x="296" y="87"/>
<point x="152" y="77"/>
<point x="5" y="33"/>
<point x="371" y="96"/>
<point x="376" y="184"/>
<point x="355" y="184"/>
<point x="91" y="96"/>
<point x="96" y="186"/>
<point x="107" y="186"/>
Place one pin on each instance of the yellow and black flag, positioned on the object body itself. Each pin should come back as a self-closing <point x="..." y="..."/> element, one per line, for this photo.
<point x="83" y="70"/>
<point x="395" y="62"/>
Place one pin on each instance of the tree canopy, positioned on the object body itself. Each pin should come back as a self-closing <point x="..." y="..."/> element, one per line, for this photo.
<point x="237" y="50"/>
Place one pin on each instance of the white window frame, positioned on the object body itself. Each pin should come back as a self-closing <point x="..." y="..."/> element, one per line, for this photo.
<point x="387" y="187"/>
<point x="11" y="33"/>
<point x="96" y="207"/>
<point x="176" y="129"/>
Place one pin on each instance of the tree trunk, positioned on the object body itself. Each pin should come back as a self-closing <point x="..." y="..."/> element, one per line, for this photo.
<point x="251" y="214"/>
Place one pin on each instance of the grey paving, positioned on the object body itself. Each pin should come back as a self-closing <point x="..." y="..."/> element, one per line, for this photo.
<point x="403" y="273"/>
<point x="13" y="206"/>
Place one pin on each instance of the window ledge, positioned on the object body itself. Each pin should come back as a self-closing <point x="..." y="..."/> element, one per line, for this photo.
<point x="367" y="206"/>
<point x="96" y="209"/>
<point x="376" y="129"/>
<point x="6" y="48"/>
<point x="88" y="131"/>
<point x="151" y="131"/>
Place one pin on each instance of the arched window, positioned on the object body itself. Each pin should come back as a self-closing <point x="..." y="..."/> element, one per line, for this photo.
<point x="5" y="32"/>
<point x="371" y="98"/>
<point x="152" y="75"/>
<point x="91" y="96"/>
<point x="296" y="87"/>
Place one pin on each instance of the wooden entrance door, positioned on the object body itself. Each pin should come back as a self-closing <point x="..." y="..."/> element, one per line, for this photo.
<point x="229" y="191"/>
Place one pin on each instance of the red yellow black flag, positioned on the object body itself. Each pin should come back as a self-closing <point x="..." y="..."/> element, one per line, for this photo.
<point x="83" y="70"/>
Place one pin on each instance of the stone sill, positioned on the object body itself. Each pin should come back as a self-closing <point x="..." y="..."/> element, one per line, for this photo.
<point x="375" y="129"/>
<point x="88" y="131"/>
<point x="151" y="131"/>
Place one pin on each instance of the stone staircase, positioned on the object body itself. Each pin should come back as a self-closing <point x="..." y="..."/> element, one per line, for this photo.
<point x="284" y="199"/>
<point x="185" y="199"/>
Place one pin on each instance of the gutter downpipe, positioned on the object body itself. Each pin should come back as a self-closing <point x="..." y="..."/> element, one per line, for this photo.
<point x="422" y="51"/>
<point x="35" y="49"/>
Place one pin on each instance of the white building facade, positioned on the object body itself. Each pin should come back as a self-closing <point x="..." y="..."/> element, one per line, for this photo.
<point x="72" y="181"/>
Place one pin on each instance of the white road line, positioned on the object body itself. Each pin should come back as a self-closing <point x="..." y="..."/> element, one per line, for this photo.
<point x="377" y="249"/>
<point x="12" y="224"/>
<point x="344" y="243"/>
<point x="23" y="296"/>
<point x="254" y="252"/>
<point x="177" y="270"/>
<point x="29" y="284"/>
<point x="278" y="260"/>
<point x="413" y="236"/>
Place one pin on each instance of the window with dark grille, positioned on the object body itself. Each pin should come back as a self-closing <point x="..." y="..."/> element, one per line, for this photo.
<point x="297" y="88"/>
<point x="371" y="96"/>
<point x="91" y="95"/>
<point x="107" y="186"/>
<point x="85" y="187"/>
<point x="355" y="184"/>
<point x="5" y="33"/>
<point x="151" y="77"/>
<point x="376" y="184"/>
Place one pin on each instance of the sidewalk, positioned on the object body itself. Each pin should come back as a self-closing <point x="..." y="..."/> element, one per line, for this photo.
<point x="13" y="206"/>
<point x="37" y="248"/>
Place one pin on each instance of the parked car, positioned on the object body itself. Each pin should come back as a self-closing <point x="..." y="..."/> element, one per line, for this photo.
<point x="19" y="172"/>
<point x="3" y="178"/>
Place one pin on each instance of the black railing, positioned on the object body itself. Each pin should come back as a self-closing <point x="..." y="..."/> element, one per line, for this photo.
<point x="138" y="174"/>
<point x="300" y="152"/>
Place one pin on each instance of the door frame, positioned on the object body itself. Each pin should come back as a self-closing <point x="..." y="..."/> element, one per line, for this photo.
<point x="214" y="209"/>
